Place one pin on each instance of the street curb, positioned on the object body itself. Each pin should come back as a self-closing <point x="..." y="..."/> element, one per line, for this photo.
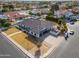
<point x="48" y="52"/>
<point x="20" y="47"/>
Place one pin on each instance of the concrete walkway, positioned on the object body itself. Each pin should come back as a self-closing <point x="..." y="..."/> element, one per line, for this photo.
<point x="54" y="43"/>
<point x="14" y="33"/>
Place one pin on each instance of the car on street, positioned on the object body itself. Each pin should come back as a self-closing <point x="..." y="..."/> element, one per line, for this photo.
<point x="71" y="22"/>
<point x="66" y="35"/>
<point x="71" y="32"/>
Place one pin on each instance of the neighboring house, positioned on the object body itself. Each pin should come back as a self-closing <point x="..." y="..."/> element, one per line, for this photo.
<point x="3" y="17"/>
<point x="68" y="14"/>
<point x="37" y="28"/>
<point x="58" y="14"/>
<point x="44" y="10"/>
<point x="24" y="12"/>
<point x="35" y="17"/>
<point x="43" y="16"/>
<point x="77" y="17"/>
<point x="41" y="11"/>
<point x="34" y="11"/>
<point x="17" y="9"/>
<point x="13" y="15"/>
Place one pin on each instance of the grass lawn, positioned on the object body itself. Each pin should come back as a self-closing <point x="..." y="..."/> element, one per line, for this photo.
<point x="11" y="30"/>
<point x="23" y="41"/>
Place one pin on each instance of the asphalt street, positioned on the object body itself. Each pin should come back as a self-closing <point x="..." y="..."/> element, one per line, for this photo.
<point x="9" y="50"/>
<point x="69" y="48"/>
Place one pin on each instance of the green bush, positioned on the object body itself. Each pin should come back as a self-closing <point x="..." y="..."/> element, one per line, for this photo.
<point x="4" y="23"/>
<point x="51" y="18"/>
<point x="60" y="21"/>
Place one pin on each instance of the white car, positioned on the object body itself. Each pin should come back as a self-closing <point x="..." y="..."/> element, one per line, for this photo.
<point x="71" y="32"/>
<point x="66" y="35"/>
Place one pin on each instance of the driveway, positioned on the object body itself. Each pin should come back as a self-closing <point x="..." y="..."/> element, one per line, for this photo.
<point x="69" y="48"/>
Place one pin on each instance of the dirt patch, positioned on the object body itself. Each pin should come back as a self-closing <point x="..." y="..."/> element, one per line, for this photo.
<point x="11" y="30"/>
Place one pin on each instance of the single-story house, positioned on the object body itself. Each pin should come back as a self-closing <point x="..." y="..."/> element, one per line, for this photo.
<point x="37" y="28"/>
<point x="13" y="15"/>
<point x="35" y="17"/>
<point x="24" y="12"/>
<point x="41" y="11"/>
<point x="3" y="17"/>
<point x="68" y="14"/>
<point x="44" y="10"/>
<point x="34" y="11"/>
<point x="77" y="17"/>
<point x="58" y="13"/>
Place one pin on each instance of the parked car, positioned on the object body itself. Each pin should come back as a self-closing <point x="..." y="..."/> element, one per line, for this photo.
<point x="3" y="29"/>
<point x="71" y="32"/>
<point x="66" y="35"/>
<point x="71" y="22"/>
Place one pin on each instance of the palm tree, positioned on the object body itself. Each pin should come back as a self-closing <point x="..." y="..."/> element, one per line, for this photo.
<point x="62" y="24"/>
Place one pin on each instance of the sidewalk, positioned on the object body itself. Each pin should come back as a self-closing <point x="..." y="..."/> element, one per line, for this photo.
<point x="30" y="53"/>
<point x="20" y="47"/>
<point x="49" y="44"/>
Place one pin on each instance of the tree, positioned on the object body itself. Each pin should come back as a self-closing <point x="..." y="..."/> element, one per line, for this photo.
<point x="50" y="13"/>
<point x="4" y="23"/>
<point x="11" y="7"/>
<point x="63" y="27"/>
<point x="38" y="14"/>
<point x="30" y="13"/>
<point x="51" y="18"/>
<point x="8" y="7"/>
<point x="60" y="21"/>
<point x="5" y="8"/>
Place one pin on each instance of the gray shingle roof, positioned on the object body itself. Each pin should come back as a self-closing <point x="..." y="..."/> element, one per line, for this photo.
<point x="37" y="26"/>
